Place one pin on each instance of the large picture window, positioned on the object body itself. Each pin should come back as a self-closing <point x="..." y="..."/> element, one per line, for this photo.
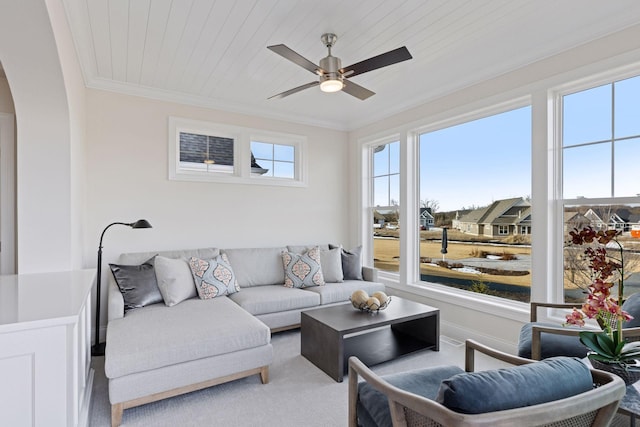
<point x="601" y="183"/>
<point x="480" y="198"/>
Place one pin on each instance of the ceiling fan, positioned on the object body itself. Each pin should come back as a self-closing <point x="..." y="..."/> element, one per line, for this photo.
<point x="334" y="78"/>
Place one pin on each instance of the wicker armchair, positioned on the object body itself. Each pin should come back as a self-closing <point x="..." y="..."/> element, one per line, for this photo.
<point x="595" y="407"/>
<point x="541" y="340"/>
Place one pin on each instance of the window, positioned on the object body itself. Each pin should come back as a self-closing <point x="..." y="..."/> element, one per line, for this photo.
<point x="385" y="212"/>
<point x="206" y="153"/>
<point x="212" y="152"/>
<point x="273" y="160"/>
<point x="601" y="185"/>
<point x="481" y="199"/>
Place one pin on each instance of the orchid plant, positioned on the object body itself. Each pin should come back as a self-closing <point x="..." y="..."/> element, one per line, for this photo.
<point x="608" y="346"/>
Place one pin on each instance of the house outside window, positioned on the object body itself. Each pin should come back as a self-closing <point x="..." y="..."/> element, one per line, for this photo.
<point x="208" y="153"/>
<point x="600" y="148"/>
<point x="503" y="230"/>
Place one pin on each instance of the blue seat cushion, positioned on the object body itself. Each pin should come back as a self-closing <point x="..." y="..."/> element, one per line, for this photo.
<point x="532" y="384"/>
<point x="632" y="306"/>
<point x="373" y="406"/>
<point x="550" y="344"/>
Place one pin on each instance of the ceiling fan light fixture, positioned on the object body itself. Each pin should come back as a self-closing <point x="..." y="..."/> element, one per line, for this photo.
<point x="331" y="85"/>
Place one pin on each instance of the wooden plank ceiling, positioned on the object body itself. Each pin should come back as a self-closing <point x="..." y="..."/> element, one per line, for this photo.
<point x="213" y="52"/>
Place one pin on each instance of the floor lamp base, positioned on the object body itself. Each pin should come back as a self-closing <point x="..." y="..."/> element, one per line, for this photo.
<point x="98" y="349"/>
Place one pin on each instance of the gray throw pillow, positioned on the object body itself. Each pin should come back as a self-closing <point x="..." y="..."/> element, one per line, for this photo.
<point x="174" y="280"/>
<point x="137" y="283"/>
<point x="352" y="264"/>
<point x="331" y="263"/>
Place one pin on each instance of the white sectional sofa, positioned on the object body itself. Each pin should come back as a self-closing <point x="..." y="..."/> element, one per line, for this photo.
<point x="159" y="351"/>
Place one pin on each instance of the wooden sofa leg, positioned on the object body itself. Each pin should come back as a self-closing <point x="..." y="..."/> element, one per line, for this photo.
<point x="116" y="414"/>
<point x="264" y="374"/>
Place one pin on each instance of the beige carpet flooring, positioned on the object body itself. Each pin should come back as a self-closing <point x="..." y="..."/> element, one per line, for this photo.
<point x="298" y="393"/>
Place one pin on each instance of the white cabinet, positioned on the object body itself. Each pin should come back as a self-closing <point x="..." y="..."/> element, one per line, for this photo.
<point x="45" y="354"/>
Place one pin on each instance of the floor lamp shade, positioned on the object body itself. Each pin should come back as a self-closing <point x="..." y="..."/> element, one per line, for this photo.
<point x="98" y="349"/>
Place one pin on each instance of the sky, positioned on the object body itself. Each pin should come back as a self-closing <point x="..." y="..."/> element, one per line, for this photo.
<point x="478" y="162"/>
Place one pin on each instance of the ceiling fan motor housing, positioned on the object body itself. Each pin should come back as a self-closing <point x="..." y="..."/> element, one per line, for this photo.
<point x="331" y="65"/>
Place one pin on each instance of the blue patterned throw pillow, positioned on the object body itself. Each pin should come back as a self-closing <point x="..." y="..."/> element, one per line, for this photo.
<point x="302" y="270"/>
<point x="214" y="277"/>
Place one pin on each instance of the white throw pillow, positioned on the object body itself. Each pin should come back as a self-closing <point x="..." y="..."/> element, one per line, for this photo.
<point x="174" y="280"/>
<point x="331" y="262"/>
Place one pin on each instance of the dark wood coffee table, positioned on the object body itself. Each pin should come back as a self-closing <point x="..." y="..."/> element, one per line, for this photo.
<point x="330" y="335"/>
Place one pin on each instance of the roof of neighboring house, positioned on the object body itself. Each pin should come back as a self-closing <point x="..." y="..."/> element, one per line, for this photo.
<point x="506" y="211"/>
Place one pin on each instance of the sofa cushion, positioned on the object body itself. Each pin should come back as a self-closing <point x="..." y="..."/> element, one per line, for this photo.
<point x="531" y="384"/>
<point x="339" y="292"/>
<point x="137" y="283"/>
<point x="275" y="298"/>
<point x="257" y="266"/>
<point x="331" y="263"/>
<point x="156" y="336"/>
<point x="302" y="270"/>
<point x="174" y="280"/>
<point x="213" y="277"/>
<point x="351" y="262"/>
<point x="138" y="257"/>
<point x="373" y="406"/>
<point x="551" y="344"/>
<point x="299" y="249"/>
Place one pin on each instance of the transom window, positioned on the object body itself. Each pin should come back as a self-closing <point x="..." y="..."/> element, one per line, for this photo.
<point x="275" y="160"/>
<point x="213" y="152"/>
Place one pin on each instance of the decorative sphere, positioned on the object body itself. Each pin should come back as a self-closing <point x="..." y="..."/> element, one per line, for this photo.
<point x="373" y="303"/>
<point x="382" y="297"/>
<point x="359" y="298"/>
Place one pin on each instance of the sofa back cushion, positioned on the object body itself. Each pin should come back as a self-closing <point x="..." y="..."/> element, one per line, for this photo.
<point x="257" y="266"/>
<point x="531" y="384"/>
<point x="135" y="258"/>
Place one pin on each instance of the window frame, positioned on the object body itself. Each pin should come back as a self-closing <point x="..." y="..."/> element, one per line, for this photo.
<point x="242" y="137"/>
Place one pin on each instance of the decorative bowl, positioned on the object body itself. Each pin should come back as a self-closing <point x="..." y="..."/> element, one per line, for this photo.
<point x="366" y="309"/>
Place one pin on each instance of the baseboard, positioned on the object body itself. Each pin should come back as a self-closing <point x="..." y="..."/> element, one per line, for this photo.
<point x="456" y="332"/>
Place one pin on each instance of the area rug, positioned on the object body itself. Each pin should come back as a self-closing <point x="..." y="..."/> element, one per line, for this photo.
<point x="298" y="393"/>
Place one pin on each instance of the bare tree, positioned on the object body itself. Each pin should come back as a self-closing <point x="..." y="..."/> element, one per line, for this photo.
<point x="433" y="204"/>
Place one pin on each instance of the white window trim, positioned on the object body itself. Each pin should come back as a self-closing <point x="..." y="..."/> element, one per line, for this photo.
<point x="242" y="137"/>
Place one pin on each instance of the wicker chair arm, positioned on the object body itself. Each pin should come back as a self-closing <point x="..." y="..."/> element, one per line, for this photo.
<point x="472" y="346"/>
<point x="535" y="305"/>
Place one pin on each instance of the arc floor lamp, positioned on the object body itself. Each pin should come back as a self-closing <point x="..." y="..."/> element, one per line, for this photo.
<point x="98" y="349"/>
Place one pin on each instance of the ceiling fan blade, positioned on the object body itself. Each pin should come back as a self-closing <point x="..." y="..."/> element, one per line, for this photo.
<point x="295" y="57"/>
<point x="356" y="90"/>
<point x="392" y="57"/>
<point x="294" y="90"/>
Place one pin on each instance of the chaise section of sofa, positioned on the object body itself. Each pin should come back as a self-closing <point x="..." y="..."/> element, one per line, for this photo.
<point x="156" y="352"/>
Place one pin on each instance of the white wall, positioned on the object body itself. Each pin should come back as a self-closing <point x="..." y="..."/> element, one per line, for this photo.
<point x="76" y="94"/>
<point x="492" y="324"/>
<point x="30" y="59"/>
<point x="127" y="179"/>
